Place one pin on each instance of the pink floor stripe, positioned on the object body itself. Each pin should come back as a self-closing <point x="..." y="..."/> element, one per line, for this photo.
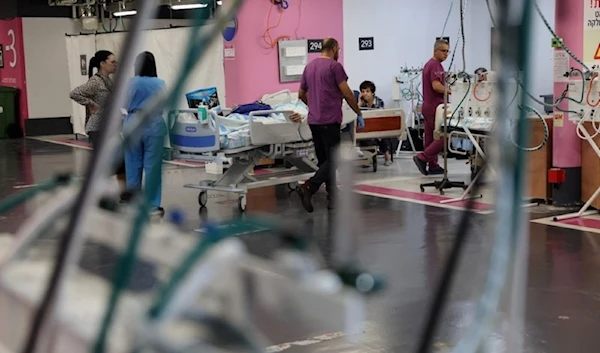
<point x="582" y="222"/>
<point x="76" y="143"/>
<point x="420" y="196"/>
<point x="87" y="144"/>
<point x="262" y="171"/>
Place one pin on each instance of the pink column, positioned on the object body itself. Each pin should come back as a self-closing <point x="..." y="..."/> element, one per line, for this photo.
<point x="12" y="74"/>
<point x="566" y="145"/>
<point x="566" y="149"/>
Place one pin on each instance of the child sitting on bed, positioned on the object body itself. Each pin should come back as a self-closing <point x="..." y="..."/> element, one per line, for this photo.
<point x="367" y="99"/>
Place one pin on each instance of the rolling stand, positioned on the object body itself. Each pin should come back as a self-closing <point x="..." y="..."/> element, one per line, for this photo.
<point x="445" y="183"/>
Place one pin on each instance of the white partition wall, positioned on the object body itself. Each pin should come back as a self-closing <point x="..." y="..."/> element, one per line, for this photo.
<point x="78" y="46"/>
<point x="168" y="47"/>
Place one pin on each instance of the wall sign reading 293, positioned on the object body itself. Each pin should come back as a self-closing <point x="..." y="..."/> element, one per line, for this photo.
<point x="366" y="43"/>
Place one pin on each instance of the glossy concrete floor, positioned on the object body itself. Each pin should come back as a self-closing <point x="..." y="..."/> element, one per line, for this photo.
<point x="406" y="242"/>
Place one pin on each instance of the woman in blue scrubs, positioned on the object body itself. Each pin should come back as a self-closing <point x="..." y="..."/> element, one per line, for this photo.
<point x="144" y="154"/>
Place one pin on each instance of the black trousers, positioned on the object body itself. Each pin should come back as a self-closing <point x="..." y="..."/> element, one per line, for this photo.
<point x="94" y="139"/>
<point x="326" y="139"/>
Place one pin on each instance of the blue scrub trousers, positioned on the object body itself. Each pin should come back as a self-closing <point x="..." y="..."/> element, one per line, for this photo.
<point x="144" y="156"/>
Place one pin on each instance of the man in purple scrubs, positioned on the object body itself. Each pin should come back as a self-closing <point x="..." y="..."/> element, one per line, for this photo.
<point x="433" y="95"/>
<point x="323" y="87"/>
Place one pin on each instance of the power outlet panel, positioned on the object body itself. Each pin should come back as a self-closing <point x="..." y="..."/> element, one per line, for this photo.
<point x="588" y="92"/>
<point x="293" y="54"/>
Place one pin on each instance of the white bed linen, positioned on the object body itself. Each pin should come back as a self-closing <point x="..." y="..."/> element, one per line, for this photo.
<point x="234" y="129"/>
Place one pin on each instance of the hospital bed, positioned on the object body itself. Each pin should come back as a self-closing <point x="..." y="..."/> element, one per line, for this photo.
<point x="379" y="123"/>
<point x="245" y="140"/>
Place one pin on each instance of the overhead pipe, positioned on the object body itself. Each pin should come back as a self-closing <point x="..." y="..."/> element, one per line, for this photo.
<point x="78" y="3"/>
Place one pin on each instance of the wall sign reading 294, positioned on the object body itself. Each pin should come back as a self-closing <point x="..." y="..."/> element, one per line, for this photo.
<point x="315" y="45"/>
<point x="366" y="43"/>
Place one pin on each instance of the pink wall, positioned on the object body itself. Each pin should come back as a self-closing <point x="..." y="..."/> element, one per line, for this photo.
<point x="255" y="69"/>
<point x="566" y="147"/>
<point x="13" y="55"/>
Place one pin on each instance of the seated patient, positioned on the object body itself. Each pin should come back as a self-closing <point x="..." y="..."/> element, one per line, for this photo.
<point x="369" y="100"/>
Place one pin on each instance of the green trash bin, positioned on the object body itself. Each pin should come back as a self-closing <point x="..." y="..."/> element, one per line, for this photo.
<point x="8" y="110"/>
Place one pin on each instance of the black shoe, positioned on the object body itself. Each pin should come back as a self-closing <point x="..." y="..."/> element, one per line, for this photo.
<point x="306" y="197"/>
<point x="158" y="212"/>
<point x="126" y="197"/>
<point x="421" y="165"/>
<point x="436" y="171"/>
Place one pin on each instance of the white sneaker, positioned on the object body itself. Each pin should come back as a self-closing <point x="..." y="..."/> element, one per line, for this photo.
<point x="359" y="153"/>
<point x="387" y="163"/>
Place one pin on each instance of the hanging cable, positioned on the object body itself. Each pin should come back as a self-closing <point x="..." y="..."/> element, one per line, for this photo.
<point x="561" y="98"/>
<point x="71" y="242"/>
<point x="580" y="126"/>
<point x="197" y="43"/>
<point x="267" y="38"/>
<point x="475" y="93"/>
<point x="546" y="131"/>
<point x="299" y="18"/>
<point x="462" y="34"/>
<point x="489" y="8"/>
<point x="447" y="18"/>
<point x="563" y="45"/>
<point x="456" y="45"/>
<point x="509" y="225"/>
<point x="567" y="50"/>
<point x="587" y="98"/>
<point x="15" y="200"/>
<point x="547" y="24"/>
<point x="450" y="268"/>
<point x="122" y="274"/>
<point x="466" y="77"/>
<point x="449" y="271"/>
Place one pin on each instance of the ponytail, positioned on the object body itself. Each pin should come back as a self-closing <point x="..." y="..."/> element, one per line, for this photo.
<point x="93" y="64"/>
<point x="97" y="59"/>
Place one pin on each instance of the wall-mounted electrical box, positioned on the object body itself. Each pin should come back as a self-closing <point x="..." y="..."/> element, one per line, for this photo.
<point x="293" y="56"/>
<point x="294" y="70"/>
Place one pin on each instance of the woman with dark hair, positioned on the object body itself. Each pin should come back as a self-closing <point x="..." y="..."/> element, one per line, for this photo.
<point x="144" y="154"/>
<point x="93" y="96"/>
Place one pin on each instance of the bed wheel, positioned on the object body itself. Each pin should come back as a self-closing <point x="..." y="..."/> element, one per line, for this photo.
<point x="242" y="203"/>
<point x="374" y="162"/>
<point x="292" y="186"/>
<point x="203" y="199"/>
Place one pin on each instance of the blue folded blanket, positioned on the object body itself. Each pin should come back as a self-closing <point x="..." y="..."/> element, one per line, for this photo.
<point x="246" y="109"/>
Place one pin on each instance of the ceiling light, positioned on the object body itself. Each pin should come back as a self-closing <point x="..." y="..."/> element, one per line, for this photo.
<point x="219" y="2"/>
<point x="187" y="6"/>
<point x="125" y="13"/>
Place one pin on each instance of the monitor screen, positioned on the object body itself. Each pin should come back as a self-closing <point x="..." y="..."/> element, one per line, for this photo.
<point x="208" y="97"/>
